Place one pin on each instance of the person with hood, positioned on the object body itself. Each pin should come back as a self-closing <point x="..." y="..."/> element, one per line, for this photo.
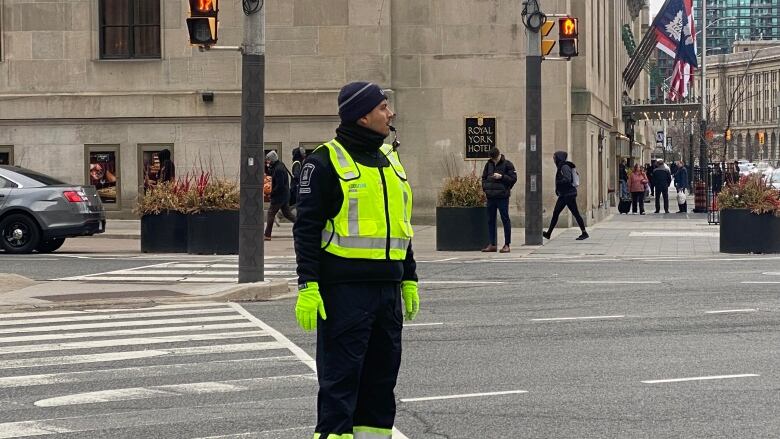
<point x="498" y="177"/>
<point x="167" y="168"/>
<point x="280" y="193"/>
<point x="566" y="182"/>
<point x="353" y="246"/>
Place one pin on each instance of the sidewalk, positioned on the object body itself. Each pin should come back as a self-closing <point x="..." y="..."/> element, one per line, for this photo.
<point x="652" y="235"/>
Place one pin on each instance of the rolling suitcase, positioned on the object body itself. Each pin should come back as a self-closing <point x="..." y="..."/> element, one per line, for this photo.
<point x="624" y="206"/>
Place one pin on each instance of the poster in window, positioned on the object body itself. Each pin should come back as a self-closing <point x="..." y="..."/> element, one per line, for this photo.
<point x="5" y="158"/>
<point x="151" y="169"/>
<point x="102" y="174"/>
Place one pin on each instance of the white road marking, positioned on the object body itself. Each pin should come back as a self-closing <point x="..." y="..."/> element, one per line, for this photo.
<point x="724" y="311"/>
<point x="176" y="272"/>
<point x="135" y="393"/>
<point x="439" y="260"/>
<point x="133" y="355"/>
<point x="771" y="273"/>
<point x="254" y="434"/>
<point x="5" y="350"/>
<point x="81" y="318"/>
<point x="406" y="325"/>
<point x="160" y="279"/>
<point x="121" y="324"/>
<point x="166" y="329"/>
<point x="616" y="282"/>
<point x="157" y="370"/>
<point x="760" y="282"/>
<point x="713" y="377"/>
<point x="675" y="234"/>
<point x="465" y="395"/>
<point x="103" y="311"/>
<point x="553" y="319"/>
<point x="30" y="428"/>
<point x="460" y="282"/>
<point x="297" y="351"/>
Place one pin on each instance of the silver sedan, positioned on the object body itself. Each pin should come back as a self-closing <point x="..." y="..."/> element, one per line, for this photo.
<point x="37" y="212"/>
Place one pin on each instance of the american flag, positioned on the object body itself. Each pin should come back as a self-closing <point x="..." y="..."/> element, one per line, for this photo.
<point x="675" y="35"/>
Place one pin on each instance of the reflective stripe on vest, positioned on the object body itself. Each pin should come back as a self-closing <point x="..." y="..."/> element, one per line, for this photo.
<point x="372" y="433"/>
<point x="362" y="229"/>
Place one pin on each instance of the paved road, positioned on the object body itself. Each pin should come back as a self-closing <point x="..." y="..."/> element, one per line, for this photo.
<point x="546" y="346"/>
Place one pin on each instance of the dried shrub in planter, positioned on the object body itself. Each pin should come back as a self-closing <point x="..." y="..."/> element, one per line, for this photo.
<point x="462" y="192"/>
<point x="752" y="192"/>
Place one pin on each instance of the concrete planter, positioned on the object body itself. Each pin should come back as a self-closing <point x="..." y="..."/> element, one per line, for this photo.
<point x="164" y="233"/>
<point x="461" y="228"/>
<point x="745" y="232"/>
<point x="214" y="232"/>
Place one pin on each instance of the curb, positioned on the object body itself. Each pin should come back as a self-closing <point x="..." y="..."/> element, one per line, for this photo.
<point x="250" y="292"/>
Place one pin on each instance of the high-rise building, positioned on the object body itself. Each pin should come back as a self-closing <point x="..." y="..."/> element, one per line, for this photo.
<point x="730" y="20"/>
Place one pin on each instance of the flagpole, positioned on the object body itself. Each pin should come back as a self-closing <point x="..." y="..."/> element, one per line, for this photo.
<point x="703" y="159"/>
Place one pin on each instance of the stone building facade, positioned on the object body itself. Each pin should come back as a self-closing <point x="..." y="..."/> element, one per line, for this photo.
<point x="81" y="83"/>
<point x="746" y="83"/>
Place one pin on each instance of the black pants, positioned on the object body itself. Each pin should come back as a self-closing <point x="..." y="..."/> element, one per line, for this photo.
<point x="358" y="356"/>
<point x="569" y="201"/>
<point x="661" y="193"/>
<point x="638" y="198"/>
<point x="273" y="209"/>
<point x="502" y="205"/>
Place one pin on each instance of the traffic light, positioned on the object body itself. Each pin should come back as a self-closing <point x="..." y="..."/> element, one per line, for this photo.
<point x="202" y="22"/>
<point x="547" y="45"/>
<point x="567" y="37"/>
<point x="728" y="135"/>
<point x="761" y="137"/>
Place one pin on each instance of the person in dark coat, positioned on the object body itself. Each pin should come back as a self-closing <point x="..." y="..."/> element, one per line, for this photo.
<point x="649" y="168"/>
<point x="280" y="193"/>
<point x="167" y="168"/>
<point x="498" y="177"/>
<point x="662" y="178"/>
<point x="681" y="177"/>
<point x="298" y="155"/>
<point x="567" y="194"/>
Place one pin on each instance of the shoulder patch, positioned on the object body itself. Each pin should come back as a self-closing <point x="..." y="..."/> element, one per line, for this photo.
<point x="306" y="174"/>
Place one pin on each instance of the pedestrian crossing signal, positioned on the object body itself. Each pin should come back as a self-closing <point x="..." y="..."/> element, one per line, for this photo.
<point x="568" y="33"/>
<point x="202" y="22"/>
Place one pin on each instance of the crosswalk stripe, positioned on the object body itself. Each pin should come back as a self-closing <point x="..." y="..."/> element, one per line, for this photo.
<point x="5" y="350"/>
<point x="157" y="370"/>
<point x="115" y="316"/>
<point x="134" y="393"/>
<point x="169" y="272"/>
<point x="112" y="310"/>
<point x="135" y="355"/>
<point x="166" y="329"/>
<point x="121" y="324"/>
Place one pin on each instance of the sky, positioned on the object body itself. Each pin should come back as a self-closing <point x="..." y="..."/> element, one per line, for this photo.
<point x="655" y="5"/>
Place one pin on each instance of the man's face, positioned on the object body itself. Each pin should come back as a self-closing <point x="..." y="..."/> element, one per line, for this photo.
<point x="379" y="119"/>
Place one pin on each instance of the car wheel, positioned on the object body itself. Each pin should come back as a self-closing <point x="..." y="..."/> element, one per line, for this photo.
<point x="50" y="245"/>
<point x="19" y="234"/>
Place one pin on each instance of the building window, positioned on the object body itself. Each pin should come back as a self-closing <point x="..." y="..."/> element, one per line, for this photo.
<point x="6" y="155"/>
<point x="103" y="172"/>
<point x="129" y="29"/>
<point x="149" y="164"/>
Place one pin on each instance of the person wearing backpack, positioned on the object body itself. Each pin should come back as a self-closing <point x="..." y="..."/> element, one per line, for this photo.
<point x="498" y="177"/>
<point x="566" y="181"/>
<point x="280" y="193"/>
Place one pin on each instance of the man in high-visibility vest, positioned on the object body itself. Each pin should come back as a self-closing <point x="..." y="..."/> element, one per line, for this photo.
<point x="355" y="266"/>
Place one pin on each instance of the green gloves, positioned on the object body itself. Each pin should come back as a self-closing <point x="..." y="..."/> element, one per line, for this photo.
<point x="309" y="303"/>
<point x="411" y="298"/>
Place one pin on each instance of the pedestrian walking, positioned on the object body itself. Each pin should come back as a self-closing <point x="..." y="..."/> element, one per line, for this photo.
<point x="662" y="178"/>
<point x="498" y="177"/>
<point x="637" y="182"/>
<point x="623" y="179"/>
<point x="280" y="193"/>
<point x="717" y="177"/>
<point x="566" y="181"/>
<point x="355" y="266"/>
<point x="681" y="177"/>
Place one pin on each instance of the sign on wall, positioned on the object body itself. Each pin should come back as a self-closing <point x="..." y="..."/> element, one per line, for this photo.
<point x="480" y="136"/>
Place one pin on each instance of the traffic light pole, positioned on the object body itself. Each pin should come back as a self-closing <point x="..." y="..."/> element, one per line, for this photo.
<point x="533" y="134"/>
<point x="250" y="246"/>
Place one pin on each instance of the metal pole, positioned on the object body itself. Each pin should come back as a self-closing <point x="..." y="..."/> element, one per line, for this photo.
<point x="533" y="135"/>
<point x="690" y="160"/>
<point x="250" y="246"/>
<point x="703" y="165"/>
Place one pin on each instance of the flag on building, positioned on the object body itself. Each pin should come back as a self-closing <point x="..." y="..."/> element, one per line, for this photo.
<point x="675" y="35"/>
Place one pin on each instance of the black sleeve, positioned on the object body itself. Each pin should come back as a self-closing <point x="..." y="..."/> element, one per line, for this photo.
<point x="485" y="174"/>
<point x="280" y="184"/>
<point x="315" y="201"/>
<point x="410" y="265"/>
<point x="510" y="177"/>
<point x="296" y="170"/>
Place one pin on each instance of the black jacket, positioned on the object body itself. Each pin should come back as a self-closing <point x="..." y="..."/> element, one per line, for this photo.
<point x="320" y="198"/>
<point x="498" y="188"/>
<point x="280" y="183"/>
<point x="564" y="176"/>
<point x="662" y="178"/>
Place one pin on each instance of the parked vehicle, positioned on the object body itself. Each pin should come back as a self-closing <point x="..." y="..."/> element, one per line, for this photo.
<point x="38" y="212"/>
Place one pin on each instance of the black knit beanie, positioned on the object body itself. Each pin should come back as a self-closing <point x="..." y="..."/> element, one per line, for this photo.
<point x="357" y="99"/>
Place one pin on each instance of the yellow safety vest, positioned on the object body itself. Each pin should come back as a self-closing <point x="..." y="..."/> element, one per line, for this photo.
<point x="375" y="217"/>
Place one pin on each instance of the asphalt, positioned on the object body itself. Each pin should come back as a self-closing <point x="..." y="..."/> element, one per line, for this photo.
<point x="664" y="235"/>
